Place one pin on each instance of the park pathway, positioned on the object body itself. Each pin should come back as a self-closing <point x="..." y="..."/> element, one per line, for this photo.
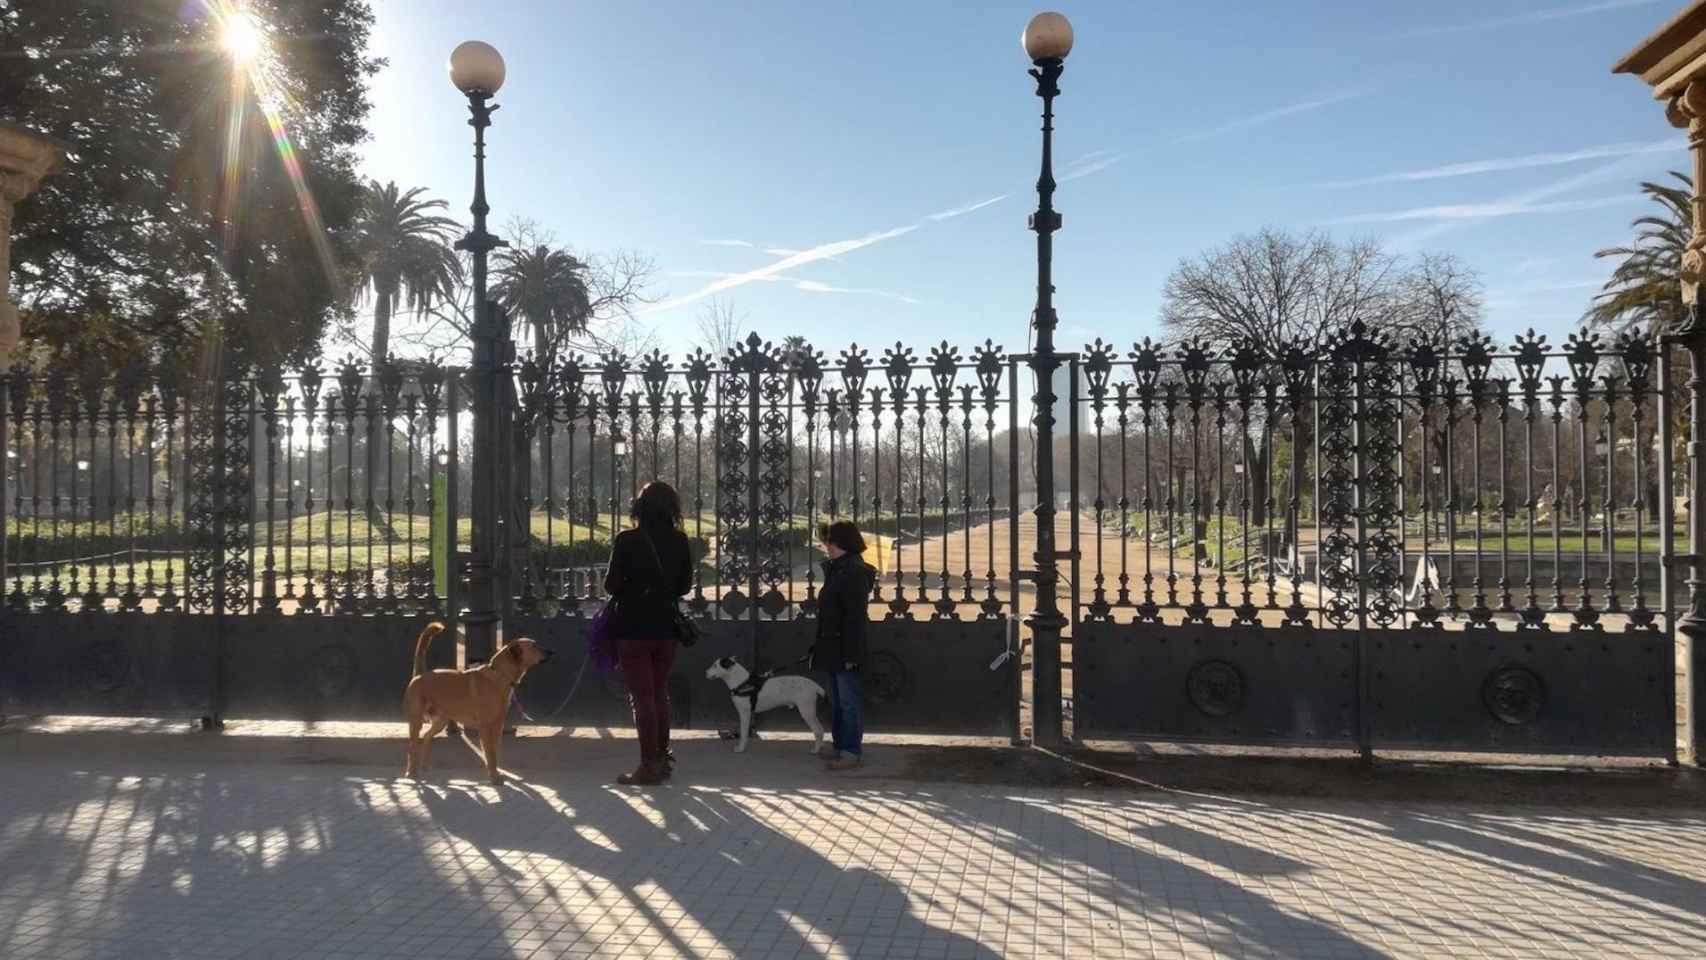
<point x="175" y="846"/>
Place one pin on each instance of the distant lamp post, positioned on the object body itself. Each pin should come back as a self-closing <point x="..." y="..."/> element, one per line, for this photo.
<point x="1047" y="40"/>
<point x="1602" y="449"/>
<point x="477" y="70"/>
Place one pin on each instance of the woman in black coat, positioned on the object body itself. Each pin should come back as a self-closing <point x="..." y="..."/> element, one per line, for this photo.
<point x="842" y="622"/>
<point x="651" y="567"/>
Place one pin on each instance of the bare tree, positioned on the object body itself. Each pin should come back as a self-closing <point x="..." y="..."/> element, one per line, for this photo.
<point x="1439" y="298"/>
<point x="721" y="326"/>
<point x="1273" y="289"/>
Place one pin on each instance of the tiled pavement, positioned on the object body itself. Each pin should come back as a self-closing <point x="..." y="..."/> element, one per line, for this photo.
<point x="157" y="852"/>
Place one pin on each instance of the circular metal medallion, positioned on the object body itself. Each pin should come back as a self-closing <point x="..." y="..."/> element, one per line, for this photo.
<point x="1513" y="695"/>
<point x="106" y="666"/>
<point x="886" y="678"/>
<point x="1216" y="688"/>
<point x="334" y="670"/>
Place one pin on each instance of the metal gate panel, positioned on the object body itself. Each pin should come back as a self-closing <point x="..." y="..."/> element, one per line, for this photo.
<point x="940" y="676"/>
<point x="601" y="700"/>
<point x="1198" y="682"/>
<point x="335" y="668"/>
<point x="113" y="664"/>
<point x="920" y="677"/>
<point x="1581" y="693"/>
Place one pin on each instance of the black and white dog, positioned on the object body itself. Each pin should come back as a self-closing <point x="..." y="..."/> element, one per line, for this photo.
<point x="754" y="695"/>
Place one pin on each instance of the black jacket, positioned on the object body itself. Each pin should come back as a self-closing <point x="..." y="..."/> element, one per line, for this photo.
<point x="842" y="616"/>
<point x="645" y="587"/>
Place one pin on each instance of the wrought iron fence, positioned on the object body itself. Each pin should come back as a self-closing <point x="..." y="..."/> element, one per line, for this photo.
<point x="1368" y="484"/>
<point x="315" y="491"/>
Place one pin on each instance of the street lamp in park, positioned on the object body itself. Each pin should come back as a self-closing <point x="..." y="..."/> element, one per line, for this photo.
<point x="1047" y="40"/>
<point x="477" y="69"/>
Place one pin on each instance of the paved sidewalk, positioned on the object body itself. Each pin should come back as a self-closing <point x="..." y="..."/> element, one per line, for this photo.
<point x="157" y="847"/>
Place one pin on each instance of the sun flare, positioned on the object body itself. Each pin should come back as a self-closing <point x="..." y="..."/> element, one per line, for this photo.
<point x="240" y="37"/>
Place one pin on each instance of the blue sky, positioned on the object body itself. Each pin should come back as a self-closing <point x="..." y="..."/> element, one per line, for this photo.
<point x="712" y="136"/>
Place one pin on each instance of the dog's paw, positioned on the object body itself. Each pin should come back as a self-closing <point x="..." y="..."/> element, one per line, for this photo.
<point x="741" y="748"/>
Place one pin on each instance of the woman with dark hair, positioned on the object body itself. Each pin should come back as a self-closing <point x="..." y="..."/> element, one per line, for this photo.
<point x="842" y="619"/>
<point x="651" y="567"/>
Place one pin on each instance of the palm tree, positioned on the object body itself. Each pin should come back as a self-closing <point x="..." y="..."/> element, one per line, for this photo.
<point x="1644" y="292"/>
<point x="404" y="256"/>
<point x="546" y="288"/>
<point x="404" y="253"/>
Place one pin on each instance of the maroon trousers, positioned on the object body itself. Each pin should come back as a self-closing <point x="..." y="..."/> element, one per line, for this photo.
<point x="645" y="664"/>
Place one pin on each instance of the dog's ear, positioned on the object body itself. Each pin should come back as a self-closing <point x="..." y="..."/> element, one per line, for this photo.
<point x="726" y="662"/>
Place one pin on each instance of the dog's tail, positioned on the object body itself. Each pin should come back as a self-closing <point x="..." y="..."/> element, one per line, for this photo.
<point x="432" y="630"/>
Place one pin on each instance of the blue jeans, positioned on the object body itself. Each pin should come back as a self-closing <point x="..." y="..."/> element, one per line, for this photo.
<point x="847" y="724"/>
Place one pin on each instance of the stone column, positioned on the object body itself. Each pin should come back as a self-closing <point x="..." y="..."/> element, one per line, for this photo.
<point x="1673" y="62"/>
<point x="25" y="158"/>
<point x="1687" y="109"/>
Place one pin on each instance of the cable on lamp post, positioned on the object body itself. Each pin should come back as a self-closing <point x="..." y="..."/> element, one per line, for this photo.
<point x="1047" y="40"/>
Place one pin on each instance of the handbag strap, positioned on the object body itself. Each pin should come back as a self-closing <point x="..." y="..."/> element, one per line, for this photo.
<point x="657" y="561"/>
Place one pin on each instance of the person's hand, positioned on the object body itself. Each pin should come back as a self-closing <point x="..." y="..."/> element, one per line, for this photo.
<point x="850" y="666"/>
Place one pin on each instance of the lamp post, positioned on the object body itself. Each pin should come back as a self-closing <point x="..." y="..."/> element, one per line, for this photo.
<point x="1047" y="40"/>
<point x="478" y="71"/>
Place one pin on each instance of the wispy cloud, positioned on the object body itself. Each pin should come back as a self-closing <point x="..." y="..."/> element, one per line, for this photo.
<point x="809" y="286"/>
<point x="1528" y="266"/>
<point x="1615" y="170"/>
<point x="1520" y="19"/>
<point x="1094" y="162"/>
<point x="706" y="274"/>
<point x="791" y="258"/>
<point x="823" y="251"/>
<point x="1267" y="116"/>
<point x="1526" y="162"/>
<point x="791" y="252"/>
<point x="962" y="211"/>
<point x="1483" y="211"/>
<point x="813" y="286"/>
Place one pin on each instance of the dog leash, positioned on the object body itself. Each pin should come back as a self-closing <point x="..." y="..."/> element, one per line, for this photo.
<point x="515" y="695"/>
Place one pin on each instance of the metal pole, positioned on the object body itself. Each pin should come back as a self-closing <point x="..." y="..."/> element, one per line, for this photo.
<point x="1046" y="620"/>
<point x="485" y="618"/>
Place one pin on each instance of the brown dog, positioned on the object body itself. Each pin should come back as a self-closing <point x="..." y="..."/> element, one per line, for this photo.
<point x="477" y="699"/>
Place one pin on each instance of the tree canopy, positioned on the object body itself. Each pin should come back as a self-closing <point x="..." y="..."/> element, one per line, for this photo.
<point x="1274" y="289"/>
<point x="204" y="197"/>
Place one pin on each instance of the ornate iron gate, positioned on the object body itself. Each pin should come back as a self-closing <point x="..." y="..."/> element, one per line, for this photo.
<point x="1298" y="516"/>
<point x="1366" y="545"/>
<point x="269" y="543"/>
